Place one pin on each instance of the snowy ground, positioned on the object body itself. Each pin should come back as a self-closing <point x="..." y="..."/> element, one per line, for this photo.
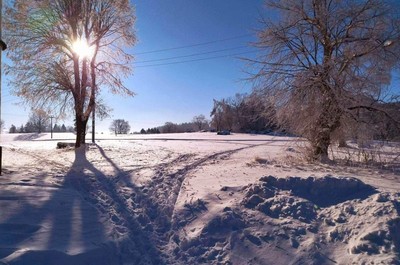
<point x="196" y="198"/>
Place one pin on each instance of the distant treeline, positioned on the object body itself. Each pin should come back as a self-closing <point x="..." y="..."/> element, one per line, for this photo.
<point x="246" y="113"/>
<point x="32" y="128"/>
<point x="170" y="127"/>
<point x="257" y="113"/>
<point x="39" y="121"/>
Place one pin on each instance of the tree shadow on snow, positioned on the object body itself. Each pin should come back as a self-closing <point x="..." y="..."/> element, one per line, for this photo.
<point x="27" y="137"/>
<point x="85" y="221"/>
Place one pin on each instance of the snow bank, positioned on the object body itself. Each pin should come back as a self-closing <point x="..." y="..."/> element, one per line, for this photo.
<point x="301" y="221"/>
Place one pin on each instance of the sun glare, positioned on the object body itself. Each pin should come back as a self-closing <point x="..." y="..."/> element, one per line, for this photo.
<point x="82" y="48"/>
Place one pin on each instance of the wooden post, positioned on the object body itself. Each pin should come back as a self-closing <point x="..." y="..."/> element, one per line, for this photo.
<point x="93" y="121"/>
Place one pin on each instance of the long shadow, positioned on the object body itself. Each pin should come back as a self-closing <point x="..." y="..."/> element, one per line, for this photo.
<point x="143" y="246"/>
<point x="27" y="137"/>
<point x="149" y="210"/>
<point x="59" y="214"/>
<point x="77" y="221"/>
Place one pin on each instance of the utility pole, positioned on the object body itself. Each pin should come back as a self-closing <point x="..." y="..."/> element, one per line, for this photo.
<point x="94" y="89"/>
<point x="3" y="47"/>
<point x="51" y="126"/>
<point x="93" y="117"/>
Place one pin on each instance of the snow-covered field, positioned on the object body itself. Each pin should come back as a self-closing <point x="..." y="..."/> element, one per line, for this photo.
<point x="196" y="198"/>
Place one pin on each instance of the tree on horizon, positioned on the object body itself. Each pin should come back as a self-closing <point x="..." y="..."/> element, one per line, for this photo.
<point x="120" y="126"/>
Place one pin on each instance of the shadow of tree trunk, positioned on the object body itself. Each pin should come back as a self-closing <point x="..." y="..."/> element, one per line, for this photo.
<point x="84" y="221"/>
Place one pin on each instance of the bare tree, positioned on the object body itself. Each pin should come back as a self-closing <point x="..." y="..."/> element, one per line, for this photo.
<point x="120" y="126"/>
<point x="200" y="121"/>
<point x="222" y="115"/>
<point x="243" y="113"/>
<point x="169" y="127"/>
<point x="39" y="121"/>
<point x="325" y="60"/>
<point x="216" y="115"/>
<point x="62" y="51"/>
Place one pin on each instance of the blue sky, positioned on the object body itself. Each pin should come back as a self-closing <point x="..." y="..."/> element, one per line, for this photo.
<point x="176" y="92"/>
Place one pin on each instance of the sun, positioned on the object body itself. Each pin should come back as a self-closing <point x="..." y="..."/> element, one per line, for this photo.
<point x="82" y="48"/>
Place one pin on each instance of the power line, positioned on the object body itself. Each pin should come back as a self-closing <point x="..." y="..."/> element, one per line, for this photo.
<point x="9" y="100"/>
<point x="195" y="60"/>
<point x="191" y="55"/>
<point x="196" y="44"/>
<point x="13" y="114"/>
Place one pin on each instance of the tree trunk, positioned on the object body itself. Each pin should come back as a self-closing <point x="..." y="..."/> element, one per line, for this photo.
<point x="341" y="137"/>
<point x="342" y="142"/>
<point x="80" y="133"/>
<point x="81" y="123"/>
<point x="81" y="116"/>
<point x="78" y="121"/>
<point x="321" y="144"/>
<point x="327" y="123"/>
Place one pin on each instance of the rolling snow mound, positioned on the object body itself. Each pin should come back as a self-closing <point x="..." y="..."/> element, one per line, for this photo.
<point x="297" y="220"/>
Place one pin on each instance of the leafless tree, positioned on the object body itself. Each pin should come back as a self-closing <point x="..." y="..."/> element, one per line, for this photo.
<point x="46" y="42"/>
<point x="39" y="121"/>
<point x="120" y="126"/>
<point x="324" y="60"/>
<point x="222" y="115"/>
<point x="200" y="121"/>
<point x="169" y="127"/>
<point x="216" y="115"/>
<point x="243" y="113"/>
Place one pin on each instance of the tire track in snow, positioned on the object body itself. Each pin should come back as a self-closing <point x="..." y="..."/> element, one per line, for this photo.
<point x="164" y="188"/>
<point x="39" y="159"/>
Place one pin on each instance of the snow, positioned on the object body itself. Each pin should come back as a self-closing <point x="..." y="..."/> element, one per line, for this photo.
<point x="196" y="198"/>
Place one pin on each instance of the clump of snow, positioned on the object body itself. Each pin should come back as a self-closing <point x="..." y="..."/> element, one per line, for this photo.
<point x="212" y="244"/>
<point x="323" y="191"/>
